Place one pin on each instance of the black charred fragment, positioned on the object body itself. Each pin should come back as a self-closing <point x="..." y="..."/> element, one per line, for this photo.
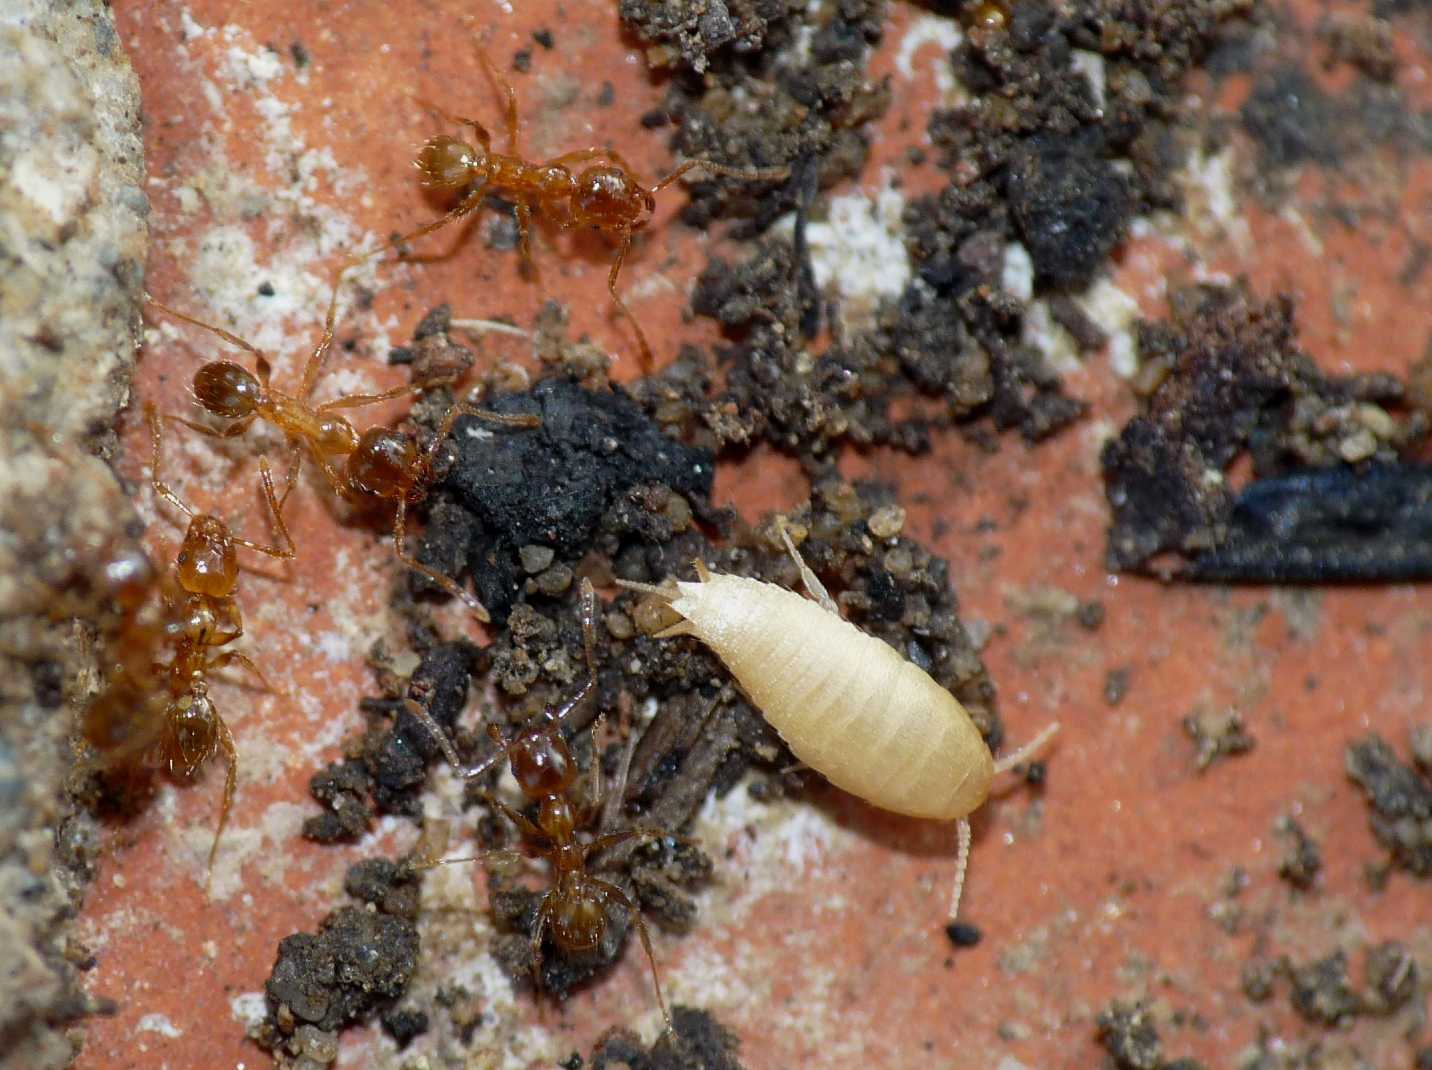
<point x="697" y="1041"/>
<point x="550" y="486"/>
<point x="1236" y="382"/>
<point x="1327" y="525"/>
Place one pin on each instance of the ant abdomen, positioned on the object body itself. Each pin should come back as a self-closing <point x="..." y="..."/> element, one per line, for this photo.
<point x="227" y="389"/>
<point x="578" y="923"/>
<point x="190" y="733"/>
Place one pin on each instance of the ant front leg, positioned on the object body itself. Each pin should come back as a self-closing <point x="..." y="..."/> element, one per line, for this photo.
<point x="503" y="89"/>
<point x="286" y="550"/>
<point x="809" y="579"/>
<point x="642" y="347"/>
<point x="314" y="365"/>
<point x="156" y="437"/>
<point x="400" y="538"/>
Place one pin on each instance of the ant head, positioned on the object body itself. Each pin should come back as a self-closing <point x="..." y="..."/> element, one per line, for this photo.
<point x="127" y="577"/>
<point x="447" y="163"/>
<point x="385" y="464"/>
<point x="208" y="563"/>
<point x="578" y="919"/>
<point x="990" y="16"/>
<point x="541" y="762"/>
<point x="191" y="732"/>
<point x="609" y="198"/>
<point x="227" y="389"/>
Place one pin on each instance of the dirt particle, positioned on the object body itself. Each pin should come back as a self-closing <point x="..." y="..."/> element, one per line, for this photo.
<point x="1302" y="861"/>
<point x="1217" y="734"/>
<point x="1116" y="685"/>
<point x="697" y="1041"/>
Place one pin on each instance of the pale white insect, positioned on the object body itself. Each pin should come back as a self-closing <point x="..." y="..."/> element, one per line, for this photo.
<point x="847" y="704"/>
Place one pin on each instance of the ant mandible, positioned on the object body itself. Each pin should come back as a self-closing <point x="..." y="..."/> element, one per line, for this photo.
<point x="200" y="616"/>
<point x="381" y="464"/>
<point x="607" y="195"/>
<point x="575" y="907"/>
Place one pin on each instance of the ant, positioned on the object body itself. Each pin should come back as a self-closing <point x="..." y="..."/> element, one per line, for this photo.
<point x="381" y="464"/>
<point x="575" y="907"/>
<point x="607" y="196"/>
<point x="203" y="615"/>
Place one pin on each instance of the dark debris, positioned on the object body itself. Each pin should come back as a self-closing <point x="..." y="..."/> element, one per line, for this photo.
<point x="1399" y="800"/>
<point x="697" y="1042"/>
<point x="358" y="962"/>
<point x="1233" y="382"/>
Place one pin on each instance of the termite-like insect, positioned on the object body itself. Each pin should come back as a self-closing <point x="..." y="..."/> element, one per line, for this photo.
<point x="846" y="703"/>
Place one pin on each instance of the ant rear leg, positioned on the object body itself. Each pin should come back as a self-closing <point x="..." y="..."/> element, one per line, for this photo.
<point x="608" y="891"/>
<point x="643" y="348"/>
<point x="524" y="242"/>
<point x="233" y="657"/>
<point x="400" y="537"/>
<point x="761" y="174"/>
<point x="231" y="762"/>
<point x="539" y="926"/>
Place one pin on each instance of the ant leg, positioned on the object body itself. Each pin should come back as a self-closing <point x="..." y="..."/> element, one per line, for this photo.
<point x="616" y="796"/>
<point x="469" y="202"/>
<point x="464" y="772"/>
<point x="524" y="242"/>
<point x="232" y="339"/>
<point x="642" y="346"/>
<point x="504" y="90"/>
<point x="608" y="890"/>
<point x="285" y="550"/>
<point x="478" y="130"/>
<point x="400" y="536"/>
<point x="156" y="436"/>
<point x="356" y="401"/>
<point x="539" y="925"/>
<point x="320" y="351"/>
<point x="231" y="761"/>
<point x="1022" y="754"/>
<point x="589" y="642"/>
<point x="962" y="862"/>
<point x="233" y="657"/>
<point x="761" y="174"/>
<point x="809" y="580"/>
<point x="233" y="430"/>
